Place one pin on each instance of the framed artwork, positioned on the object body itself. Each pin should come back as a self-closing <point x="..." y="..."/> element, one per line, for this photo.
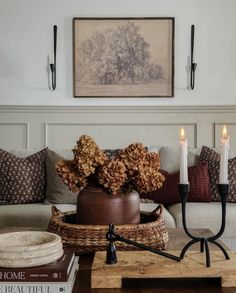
<point x="123" y="57"/>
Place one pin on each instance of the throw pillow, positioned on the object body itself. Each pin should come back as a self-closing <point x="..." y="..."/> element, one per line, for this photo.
<point x="22" y="180"/>
<point x="57" y="191"/>
<point x="169" y="192"/>
<point x="112" y="153"/>
<point x="169" y="157"/>
<point x="212" y="158"/>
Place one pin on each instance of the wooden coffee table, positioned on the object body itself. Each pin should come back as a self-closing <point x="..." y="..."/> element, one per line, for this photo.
<point x="177" y="241"/>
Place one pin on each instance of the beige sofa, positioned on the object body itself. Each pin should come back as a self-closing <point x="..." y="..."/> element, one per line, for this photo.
<point x="199" y="215"/>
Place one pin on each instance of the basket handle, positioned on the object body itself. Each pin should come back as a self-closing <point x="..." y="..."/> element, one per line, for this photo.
<point x="158" y="210"/>
<point x="55" y="211"/>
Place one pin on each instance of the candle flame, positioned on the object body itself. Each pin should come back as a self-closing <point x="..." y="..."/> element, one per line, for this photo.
<point x="224" y="133"/>
<point x="182" y="133"/>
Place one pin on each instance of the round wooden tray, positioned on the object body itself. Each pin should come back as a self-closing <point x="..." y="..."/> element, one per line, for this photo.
<point x="90" y="238"/>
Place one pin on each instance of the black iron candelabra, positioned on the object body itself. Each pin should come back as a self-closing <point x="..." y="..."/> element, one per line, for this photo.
<point x="223" y="191"/>
<point x="111" y="257"/>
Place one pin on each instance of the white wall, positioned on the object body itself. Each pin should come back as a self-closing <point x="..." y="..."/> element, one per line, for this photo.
<point x="26" y="40"/>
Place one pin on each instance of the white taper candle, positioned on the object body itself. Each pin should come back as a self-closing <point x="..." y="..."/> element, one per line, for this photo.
<point x="183" y="177"/>
<point x="224" y="155"/>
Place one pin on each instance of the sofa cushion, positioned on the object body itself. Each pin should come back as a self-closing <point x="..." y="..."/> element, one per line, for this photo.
<point x="57" y="191"/>
<point x="22" y="180"/>
<point x="213" y="160"/>
<point x="199" y="186"/>
<point x="169" y="157"/>
<point x="207" y="215"/>
<point x="33" y="215"/>
<point x="38" y="215"/>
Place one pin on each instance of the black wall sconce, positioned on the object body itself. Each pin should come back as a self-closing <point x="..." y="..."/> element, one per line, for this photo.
<point x="193" y="65"/>
<point x="54" y="58"/>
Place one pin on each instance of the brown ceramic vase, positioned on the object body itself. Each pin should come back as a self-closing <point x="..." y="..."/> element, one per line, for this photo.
<point x="96" y="207"/>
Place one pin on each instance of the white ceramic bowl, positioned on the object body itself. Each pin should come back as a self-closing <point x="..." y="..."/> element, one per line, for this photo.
<point x="30" y="262"/>
<point x="26" y="241"/>
<point x="28" y="254"/>
<point x="29" y="249"/>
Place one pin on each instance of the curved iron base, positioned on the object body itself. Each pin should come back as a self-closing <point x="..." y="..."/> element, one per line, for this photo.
<point x="223" y="191"/>
<point x="203" y="246"/>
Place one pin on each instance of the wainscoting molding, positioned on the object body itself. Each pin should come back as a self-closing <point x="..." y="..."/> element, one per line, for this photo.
<point x="14" y="133"/>
<point x="58" y="127"/>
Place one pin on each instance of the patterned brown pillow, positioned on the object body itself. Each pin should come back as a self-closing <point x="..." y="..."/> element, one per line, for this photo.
<point x="22" y="180"/>
<point x="213" y="159"/>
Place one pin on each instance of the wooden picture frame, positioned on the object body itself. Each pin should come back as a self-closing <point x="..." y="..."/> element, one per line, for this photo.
<point x="123" y="57"/>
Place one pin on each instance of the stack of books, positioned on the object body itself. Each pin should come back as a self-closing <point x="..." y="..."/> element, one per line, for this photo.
<point x="58" y="276"/>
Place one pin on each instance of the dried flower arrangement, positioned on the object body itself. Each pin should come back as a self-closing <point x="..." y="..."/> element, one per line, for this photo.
<point x="133" y="168"/>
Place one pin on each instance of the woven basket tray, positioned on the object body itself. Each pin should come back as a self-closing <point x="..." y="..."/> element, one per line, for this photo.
<point x="90" y="238"/>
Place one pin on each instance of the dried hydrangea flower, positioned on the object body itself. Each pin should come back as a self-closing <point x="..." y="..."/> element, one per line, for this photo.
<point x="134" y="168"/>
<point x="152" y="160"/>
<point x="131" y="156"/>
<point x="67" y="170"/>
<point x="88" y="156"/>
<point x="148" y="179"/>
<point x="112" y="176"/>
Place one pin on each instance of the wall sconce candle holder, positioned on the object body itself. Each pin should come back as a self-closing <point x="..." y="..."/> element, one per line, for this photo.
<point x="53" y="58"/>
<point x="193" y="65"/>
<point x="223" y="191"/>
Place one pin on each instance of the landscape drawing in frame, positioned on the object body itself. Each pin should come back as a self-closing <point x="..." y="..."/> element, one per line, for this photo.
<point x="123" y="57"/>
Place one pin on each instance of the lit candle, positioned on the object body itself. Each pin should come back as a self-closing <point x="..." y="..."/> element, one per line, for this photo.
<point x="224" y="154"/>
<point x="183" y="176"/>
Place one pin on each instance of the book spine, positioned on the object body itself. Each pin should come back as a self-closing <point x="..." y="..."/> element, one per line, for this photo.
<point x="31" y="276"/>
<point x="35" y="288"/>
<point x="42" y="287"/>
<point x="50" y="274"/>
